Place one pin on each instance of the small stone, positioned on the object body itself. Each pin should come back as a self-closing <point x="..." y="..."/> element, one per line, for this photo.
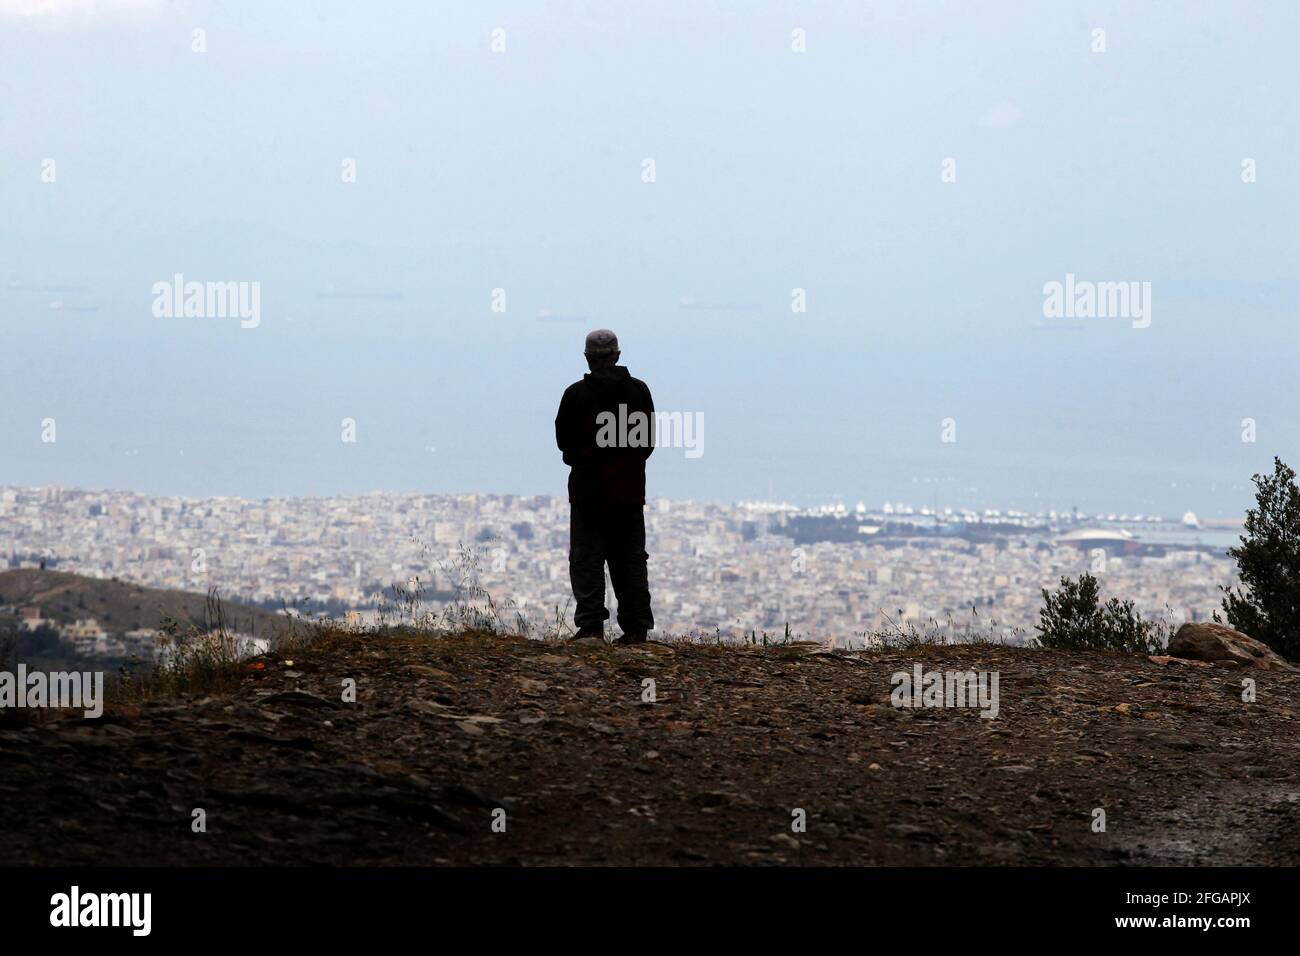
<point x="299" y="698"/>
<point x="424" y="706"/>
<point x="422" y="670"/>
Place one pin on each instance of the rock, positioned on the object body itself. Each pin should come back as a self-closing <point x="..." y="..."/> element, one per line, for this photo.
<point x="909" y="831"/>
<point x="422" y="670"/>
<point x="1164" y="660"/>
<point x="1216" y="642"/>
<point x="425" y="706"/>
<point x="300" y="698"/>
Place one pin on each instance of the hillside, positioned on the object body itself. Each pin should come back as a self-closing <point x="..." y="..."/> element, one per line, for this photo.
<point x="120" y="605"/>
<point x="446" y="730"/>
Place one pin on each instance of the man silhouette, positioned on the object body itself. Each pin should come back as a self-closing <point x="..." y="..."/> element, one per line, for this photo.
<point x="597" y="430"/>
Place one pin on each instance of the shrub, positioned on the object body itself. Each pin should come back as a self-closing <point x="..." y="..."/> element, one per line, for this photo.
<point x="1268" y="563"/>
<point x="1073" y="619"/>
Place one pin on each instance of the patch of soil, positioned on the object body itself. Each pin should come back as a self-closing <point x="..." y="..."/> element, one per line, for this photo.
<point x="559" y="741"/>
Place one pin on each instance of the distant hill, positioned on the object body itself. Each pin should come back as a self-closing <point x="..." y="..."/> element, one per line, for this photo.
<point x="120" y="606"/>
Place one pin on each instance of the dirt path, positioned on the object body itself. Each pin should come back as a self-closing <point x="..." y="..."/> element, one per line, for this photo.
<point x="446" y="733"/>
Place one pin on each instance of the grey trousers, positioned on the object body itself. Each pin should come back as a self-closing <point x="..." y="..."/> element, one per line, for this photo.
<point x="600" y="535"/>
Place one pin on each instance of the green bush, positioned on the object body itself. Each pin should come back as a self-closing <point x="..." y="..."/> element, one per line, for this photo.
<point x="1072" y="619"/>
<point x="1268" y="563"/>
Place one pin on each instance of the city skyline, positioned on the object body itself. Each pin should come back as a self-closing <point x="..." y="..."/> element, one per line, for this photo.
<point x="736" y="569"/>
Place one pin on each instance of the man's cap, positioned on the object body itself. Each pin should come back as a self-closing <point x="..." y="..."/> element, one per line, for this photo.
<point x="601" y="342"/>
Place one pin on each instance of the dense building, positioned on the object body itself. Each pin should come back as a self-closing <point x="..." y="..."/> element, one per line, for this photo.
<point x="731" y="570"/>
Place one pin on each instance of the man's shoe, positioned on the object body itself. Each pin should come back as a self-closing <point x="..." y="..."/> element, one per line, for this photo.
<point x="584" y="632"/>
<point x="632" y="637"/>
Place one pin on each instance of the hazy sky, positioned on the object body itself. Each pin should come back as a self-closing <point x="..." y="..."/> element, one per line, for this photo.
<point x="774" y="170"/>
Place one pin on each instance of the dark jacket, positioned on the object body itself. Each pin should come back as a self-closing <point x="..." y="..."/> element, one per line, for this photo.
<point x="612" y="475"/>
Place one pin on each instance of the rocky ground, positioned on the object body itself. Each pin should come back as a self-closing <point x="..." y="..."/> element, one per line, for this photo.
<point x="446" y="733"/>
